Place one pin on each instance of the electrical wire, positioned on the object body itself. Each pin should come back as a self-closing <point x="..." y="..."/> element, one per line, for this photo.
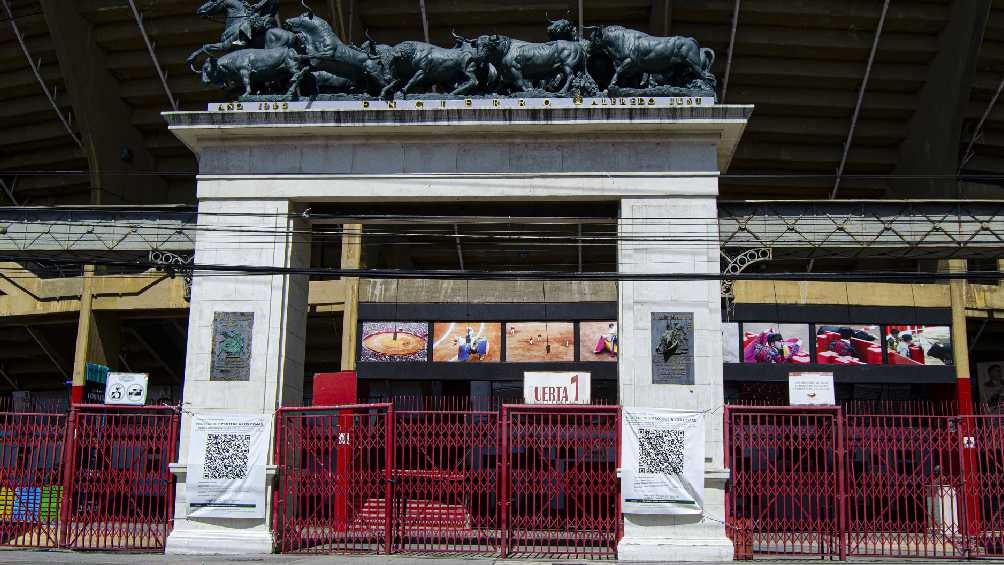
<point x="213" y="269"/>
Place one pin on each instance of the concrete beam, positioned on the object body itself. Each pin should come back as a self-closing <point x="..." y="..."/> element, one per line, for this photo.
<point x="113" y="146"/>
<point x="934" y="134"/>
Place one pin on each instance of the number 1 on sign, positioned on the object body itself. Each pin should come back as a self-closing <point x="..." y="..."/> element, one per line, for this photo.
<point x="575" y="381"/>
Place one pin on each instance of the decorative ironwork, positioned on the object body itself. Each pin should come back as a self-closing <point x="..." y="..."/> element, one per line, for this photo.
<point x="738" y="264"/>
<point x="172" y="263"/>
<point x="841" y="229"/>
<point x="44" y="230"/>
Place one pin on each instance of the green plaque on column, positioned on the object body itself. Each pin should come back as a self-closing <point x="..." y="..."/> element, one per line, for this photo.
<point x="231" y="346"/>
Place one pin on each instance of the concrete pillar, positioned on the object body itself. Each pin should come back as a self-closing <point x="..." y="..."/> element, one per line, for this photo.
<point x="256" y="233"/>
<point x="352" y="252"/>
<point x="98" y="337"/>
<point x="644" y="226"/>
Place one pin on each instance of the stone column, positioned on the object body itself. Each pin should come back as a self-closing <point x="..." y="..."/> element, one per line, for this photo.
<point x="646" y="224"/>
<point x="257" y="233"/>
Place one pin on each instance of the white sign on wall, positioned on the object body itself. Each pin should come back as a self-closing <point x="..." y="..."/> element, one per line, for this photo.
<point x="126" y="388"/>
<point x="811" y="389"/>
<point x="226" y="467"/>
<point x="556" y="388"/>
<point x="662" y="461"/>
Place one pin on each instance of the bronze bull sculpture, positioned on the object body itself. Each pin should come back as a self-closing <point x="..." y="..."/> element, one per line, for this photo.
<point x="250" y="68"/>
<point x="676" y="59"/>
<point x="521" y="63"/>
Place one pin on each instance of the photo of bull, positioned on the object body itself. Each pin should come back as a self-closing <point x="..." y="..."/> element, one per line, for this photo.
<point x="417" y="64"/>
<point x="520" y="63"/>
<point x="256" y="70"/>
<point x="673" y="60"/>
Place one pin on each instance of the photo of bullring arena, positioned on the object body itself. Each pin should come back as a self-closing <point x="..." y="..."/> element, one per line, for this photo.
<point x="283" y="276"/>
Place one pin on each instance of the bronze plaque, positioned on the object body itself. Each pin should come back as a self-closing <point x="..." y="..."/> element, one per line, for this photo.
<point x="231" y="346"/>
<point x="673" y="348"/>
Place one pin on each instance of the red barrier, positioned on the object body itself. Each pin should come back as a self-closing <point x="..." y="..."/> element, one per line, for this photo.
<point x="31" y="469"/>
<point x="446" y="482"/>
<point x="447" y="475"/>
<point x="814" y="481"/>
<point x="119" y="492"/>
<point x="561" y="491"/>
<point x="786" y="479"/>
<point x="334" y="479"/>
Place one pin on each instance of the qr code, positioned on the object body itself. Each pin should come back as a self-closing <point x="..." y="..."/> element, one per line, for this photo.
<point x="660" y="451"/>
<point x="227" y="456"/>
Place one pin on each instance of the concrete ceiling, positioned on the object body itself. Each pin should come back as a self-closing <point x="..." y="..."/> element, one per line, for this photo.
<point x="936" y="69"/>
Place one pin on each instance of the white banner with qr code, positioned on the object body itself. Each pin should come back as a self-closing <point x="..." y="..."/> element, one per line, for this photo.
<point x="662" y="461"/>
<point x="226" y="467"/>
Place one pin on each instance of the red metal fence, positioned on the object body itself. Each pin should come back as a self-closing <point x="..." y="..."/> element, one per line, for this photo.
<point x="523" y="481"/>
<point x="95" y="479"/>
<point x="561" y="492"/>
<point x="334" y="479"/>
<point x="816" y="481"/>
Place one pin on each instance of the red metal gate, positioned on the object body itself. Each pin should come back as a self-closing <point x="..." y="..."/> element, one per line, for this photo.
<point x="813" y="481"/>
<point x="983" y="475"/>
<point x="443" y="473"/>
<point x="903" y="482"/>
<point x="561" y="492"/>
<point x="786" y="482"/>
<point x="446" y="482"/>
<point x="119" y="492"/>
<point x="334" y="478"/>
<point x="31" y="471"/>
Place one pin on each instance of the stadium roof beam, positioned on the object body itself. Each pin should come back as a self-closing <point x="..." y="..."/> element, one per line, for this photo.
<point x="335" y="7"/>
<point x="153" y="55"/>
<point x="114" y="147"/>
<point x="48" y="350"/>
<point x="661" y="18"/>
<point x="732" y="46"/>
<point x="50" y="95"/>
<point x="425" y="19"/>
<point x="934" y="132"/>
<point x="861" y="97"/>
<point x="9" y="191"/>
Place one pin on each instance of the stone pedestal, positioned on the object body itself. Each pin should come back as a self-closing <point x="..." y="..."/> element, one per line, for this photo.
<point x="645" y="226"/>
<point x="255" y="233"/>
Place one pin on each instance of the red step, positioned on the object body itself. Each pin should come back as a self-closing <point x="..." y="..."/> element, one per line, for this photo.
<point x="417" y="514"/>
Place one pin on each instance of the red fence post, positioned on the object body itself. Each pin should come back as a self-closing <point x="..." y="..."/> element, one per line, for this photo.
<point x="840" y="460"/>
<point x="277" y="461"/>
<point x="172" y="455"/>
<point x="69" y="463"/>
<point x="389" y="472"/>
<point x="503" y="462"/>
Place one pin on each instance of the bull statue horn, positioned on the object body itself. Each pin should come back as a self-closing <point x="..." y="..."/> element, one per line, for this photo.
<point x="459" y="38"/>
<point x="548" y="18"/>
<point x="310" y="12"/>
